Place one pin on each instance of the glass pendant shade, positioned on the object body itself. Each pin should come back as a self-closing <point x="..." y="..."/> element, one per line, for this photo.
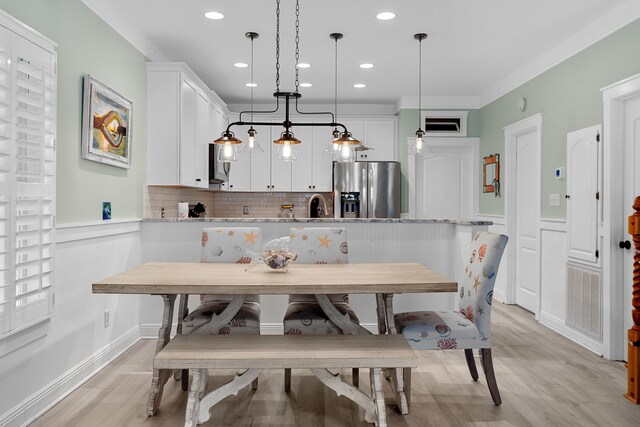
<point x="286" y="150"/>
<point x="252" y="145"/>
<point x="229" y="151"/>
<point x="347" y="151"/>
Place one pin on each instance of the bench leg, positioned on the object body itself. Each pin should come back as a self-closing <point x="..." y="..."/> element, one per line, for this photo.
<point x="230" y="389"/>
<point x="397" y="375"/>
<point x="183" y="310"/>
<point x="355" y="377"/>
<point x="341" y="388"/>
<point x="375" y="376"/>
<point x="193" y="402"/>
<point x="161" y="376"/>
<point x="287" y="379"/>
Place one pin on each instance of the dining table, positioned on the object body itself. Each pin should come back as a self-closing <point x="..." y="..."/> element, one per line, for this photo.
<point x="171" y="279"/>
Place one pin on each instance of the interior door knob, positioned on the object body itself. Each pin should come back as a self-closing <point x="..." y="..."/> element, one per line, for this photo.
<point x="624" y="245"/>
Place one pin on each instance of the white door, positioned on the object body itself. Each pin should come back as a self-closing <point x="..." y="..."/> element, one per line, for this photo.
<point x="322" y="160"/>
<point x="302" y="168"/>
<point x="527" y="206"/>
<point x="261" y="161"/>
<point x="201" y="151"/>
<point x="582" y="190"/>
<point x="240" y="172"/>
<point x="381" y="136"/>
<point x="631" y="191"/>
<point x="442" y="184"/>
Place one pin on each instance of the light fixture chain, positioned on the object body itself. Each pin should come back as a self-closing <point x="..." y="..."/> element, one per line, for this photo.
<point x="252" y="82"/>
<point x="335" y="99"/>
<point x="420" y="84"/>
<point x="297" y="43"/>
<point x="277" y="45"/>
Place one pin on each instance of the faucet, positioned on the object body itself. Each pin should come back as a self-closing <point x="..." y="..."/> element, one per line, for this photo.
<point x="317" y="206"/>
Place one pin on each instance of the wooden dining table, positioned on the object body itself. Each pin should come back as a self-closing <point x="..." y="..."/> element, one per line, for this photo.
<point x="169" y="279"/>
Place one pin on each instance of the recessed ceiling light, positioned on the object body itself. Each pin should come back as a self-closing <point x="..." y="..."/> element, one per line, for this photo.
<point x="304" y="65"/>
<point x="366" y="66"/>
<point x="359" y="85"/>
<point x="240" y="65"/>
<point x="251" y="84"/>
<point x="214" y="15"/>
<point x="306" y="84"/>
<point x="385" y="16"/>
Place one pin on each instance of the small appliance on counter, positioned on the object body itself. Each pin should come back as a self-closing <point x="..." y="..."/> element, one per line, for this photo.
<point x="366" y="189"/>
<point x="197" y="211"/>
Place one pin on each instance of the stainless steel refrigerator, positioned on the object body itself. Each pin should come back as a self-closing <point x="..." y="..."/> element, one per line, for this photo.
<point x="366" y="190"/>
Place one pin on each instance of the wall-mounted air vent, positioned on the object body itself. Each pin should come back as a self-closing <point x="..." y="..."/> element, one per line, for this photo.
<point x="584" y="300"/>
<point x="445" y="123"/>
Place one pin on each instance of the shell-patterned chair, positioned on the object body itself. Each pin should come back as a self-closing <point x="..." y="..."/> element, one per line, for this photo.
<point x="226" y="245"/>
<point x="304" y="316"/>
<point x="469" y="327"/>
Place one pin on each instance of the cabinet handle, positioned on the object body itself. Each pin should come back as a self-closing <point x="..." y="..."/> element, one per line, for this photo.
<point x="309" y="186"/>
<point x="198" y="180"/>
<point x="231" y="186"/>
<point x="314" y="186"/>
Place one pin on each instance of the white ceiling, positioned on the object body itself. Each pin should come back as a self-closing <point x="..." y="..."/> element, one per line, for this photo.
<point x="473" y="45"/>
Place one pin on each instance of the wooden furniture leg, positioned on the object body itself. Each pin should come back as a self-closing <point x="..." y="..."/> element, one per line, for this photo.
<point x="232" y="388"/>
<point x="397" y="375"/>
<point x="487" y="364"/>
<point x="161" y="376"/>
<point x="193" y="401"/>
<point x="342" y="321"/>
<point x="633" y="335"/>
<point x="471" y="363"/>
<point x="183" y="311"/>
<point x="375" y="376"/>
<point x="382" y="319"/>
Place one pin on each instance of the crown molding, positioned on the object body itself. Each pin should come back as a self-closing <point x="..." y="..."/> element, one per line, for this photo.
<point x="591" y="34"/>
<point x="119" y="22"/>
<point x="439" y="102"/>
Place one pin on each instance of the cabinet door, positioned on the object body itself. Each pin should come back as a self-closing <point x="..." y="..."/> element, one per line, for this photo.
<point x="381" y="136"/>
<point x="261" y="162"/>
<point x="187" y="133"/>
<point x="302" y="168"/>
<point x="322" y="162"/>
<point x="240" y="174"/>
<point x="203" y="137"/>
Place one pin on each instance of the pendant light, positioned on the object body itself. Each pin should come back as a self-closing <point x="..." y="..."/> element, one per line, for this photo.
<point x="335" y="146"/>
<point x="252" y="146"/>
<point x="418" y="146"/>
<point x="287" y="141"/>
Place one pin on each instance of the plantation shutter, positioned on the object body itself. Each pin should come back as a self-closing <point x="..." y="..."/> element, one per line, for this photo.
<point x="27" y="181"/>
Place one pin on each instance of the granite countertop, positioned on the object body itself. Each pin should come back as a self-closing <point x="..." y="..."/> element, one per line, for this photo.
<point x="326" y="220"/>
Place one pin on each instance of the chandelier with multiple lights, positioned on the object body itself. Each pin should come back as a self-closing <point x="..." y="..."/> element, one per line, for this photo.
<point x="343" y="143"/>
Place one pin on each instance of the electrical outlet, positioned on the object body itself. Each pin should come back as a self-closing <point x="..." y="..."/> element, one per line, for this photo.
<point x="245" y="210"/>
<point x="107" y="319"/>
<point x="554" y="200"/>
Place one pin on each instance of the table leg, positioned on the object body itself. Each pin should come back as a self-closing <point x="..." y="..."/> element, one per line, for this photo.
<point x="183" y="310"/>
<point x="398" y="374"/>
<point x="342" y="321"/>
<point x="382" y="322"/>
<point x="375" y="376"/>
<point x="161" y="376"/>
<point x="335" y="383"/>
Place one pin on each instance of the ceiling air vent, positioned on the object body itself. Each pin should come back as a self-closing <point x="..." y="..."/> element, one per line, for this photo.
<point x="445" y="123"/>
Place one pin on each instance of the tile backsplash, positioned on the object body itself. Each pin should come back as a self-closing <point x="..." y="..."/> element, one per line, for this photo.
<point x="223" y="204"/>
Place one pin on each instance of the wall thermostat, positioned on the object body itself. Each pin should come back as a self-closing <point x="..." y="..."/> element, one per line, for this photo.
<point x="559" y="174"/>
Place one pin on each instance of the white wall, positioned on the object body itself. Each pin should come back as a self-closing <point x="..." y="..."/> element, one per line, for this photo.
<point x="74" y="344"/>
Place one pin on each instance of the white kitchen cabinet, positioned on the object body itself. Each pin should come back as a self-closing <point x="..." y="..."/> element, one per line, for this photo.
<point x="302" y="168"/>
<point x="179" y="126"/>
<point x="380" y="135"/>
<point x="240" y="172"/>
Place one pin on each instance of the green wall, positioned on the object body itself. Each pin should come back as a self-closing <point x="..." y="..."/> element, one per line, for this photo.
<point x="87" y="45"/>
<point x="568" y="95"/>
<point x="408" y="120"/>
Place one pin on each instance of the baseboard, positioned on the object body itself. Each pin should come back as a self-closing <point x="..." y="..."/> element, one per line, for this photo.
<point x="498" y="295"/>
<point x="150" y="330"/>
<point x="42" y="400"/>
<point x="558" y="325"/>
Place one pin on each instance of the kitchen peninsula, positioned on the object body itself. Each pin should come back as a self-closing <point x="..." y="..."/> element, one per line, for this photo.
<point x="439" y="244"/>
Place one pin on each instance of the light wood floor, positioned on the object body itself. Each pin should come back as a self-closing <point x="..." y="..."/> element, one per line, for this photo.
<point x="544" y="379"/>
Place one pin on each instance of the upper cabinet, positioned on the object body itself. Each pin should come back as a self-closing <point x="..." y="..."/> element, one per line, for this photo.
<point x="182" y="121"/>
<point x="378" y="134"/>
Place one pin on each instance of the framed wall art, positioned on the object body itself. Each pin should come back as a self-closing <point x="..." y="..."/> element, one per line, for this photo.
<point x="106" y="125"/>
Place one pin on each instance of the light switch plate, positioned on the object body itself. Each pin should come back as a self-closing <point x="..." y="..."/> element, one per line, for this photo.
<point x="554" y="200"/>
<point x="245" y="210"/>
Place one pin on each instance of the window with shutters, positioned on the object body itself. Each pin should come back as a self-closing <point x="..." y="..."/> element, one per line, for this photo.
<point x="27" y="178"/>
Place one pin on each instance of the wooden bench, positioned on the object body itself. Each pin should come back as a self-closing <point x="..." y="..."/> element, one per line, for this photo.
<point x="201" y="352"/>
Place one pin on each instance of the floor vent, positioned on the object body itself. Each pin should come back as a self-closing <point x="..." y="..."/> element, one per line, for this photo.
<point x="584" y="300"/>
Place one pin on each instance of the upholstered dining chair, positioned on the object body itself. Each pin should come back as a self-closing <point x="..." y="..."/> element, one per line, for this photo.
<point x="469" y="327"/>
<point x="304" y="316"/>
<point x="225" y="245"/>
